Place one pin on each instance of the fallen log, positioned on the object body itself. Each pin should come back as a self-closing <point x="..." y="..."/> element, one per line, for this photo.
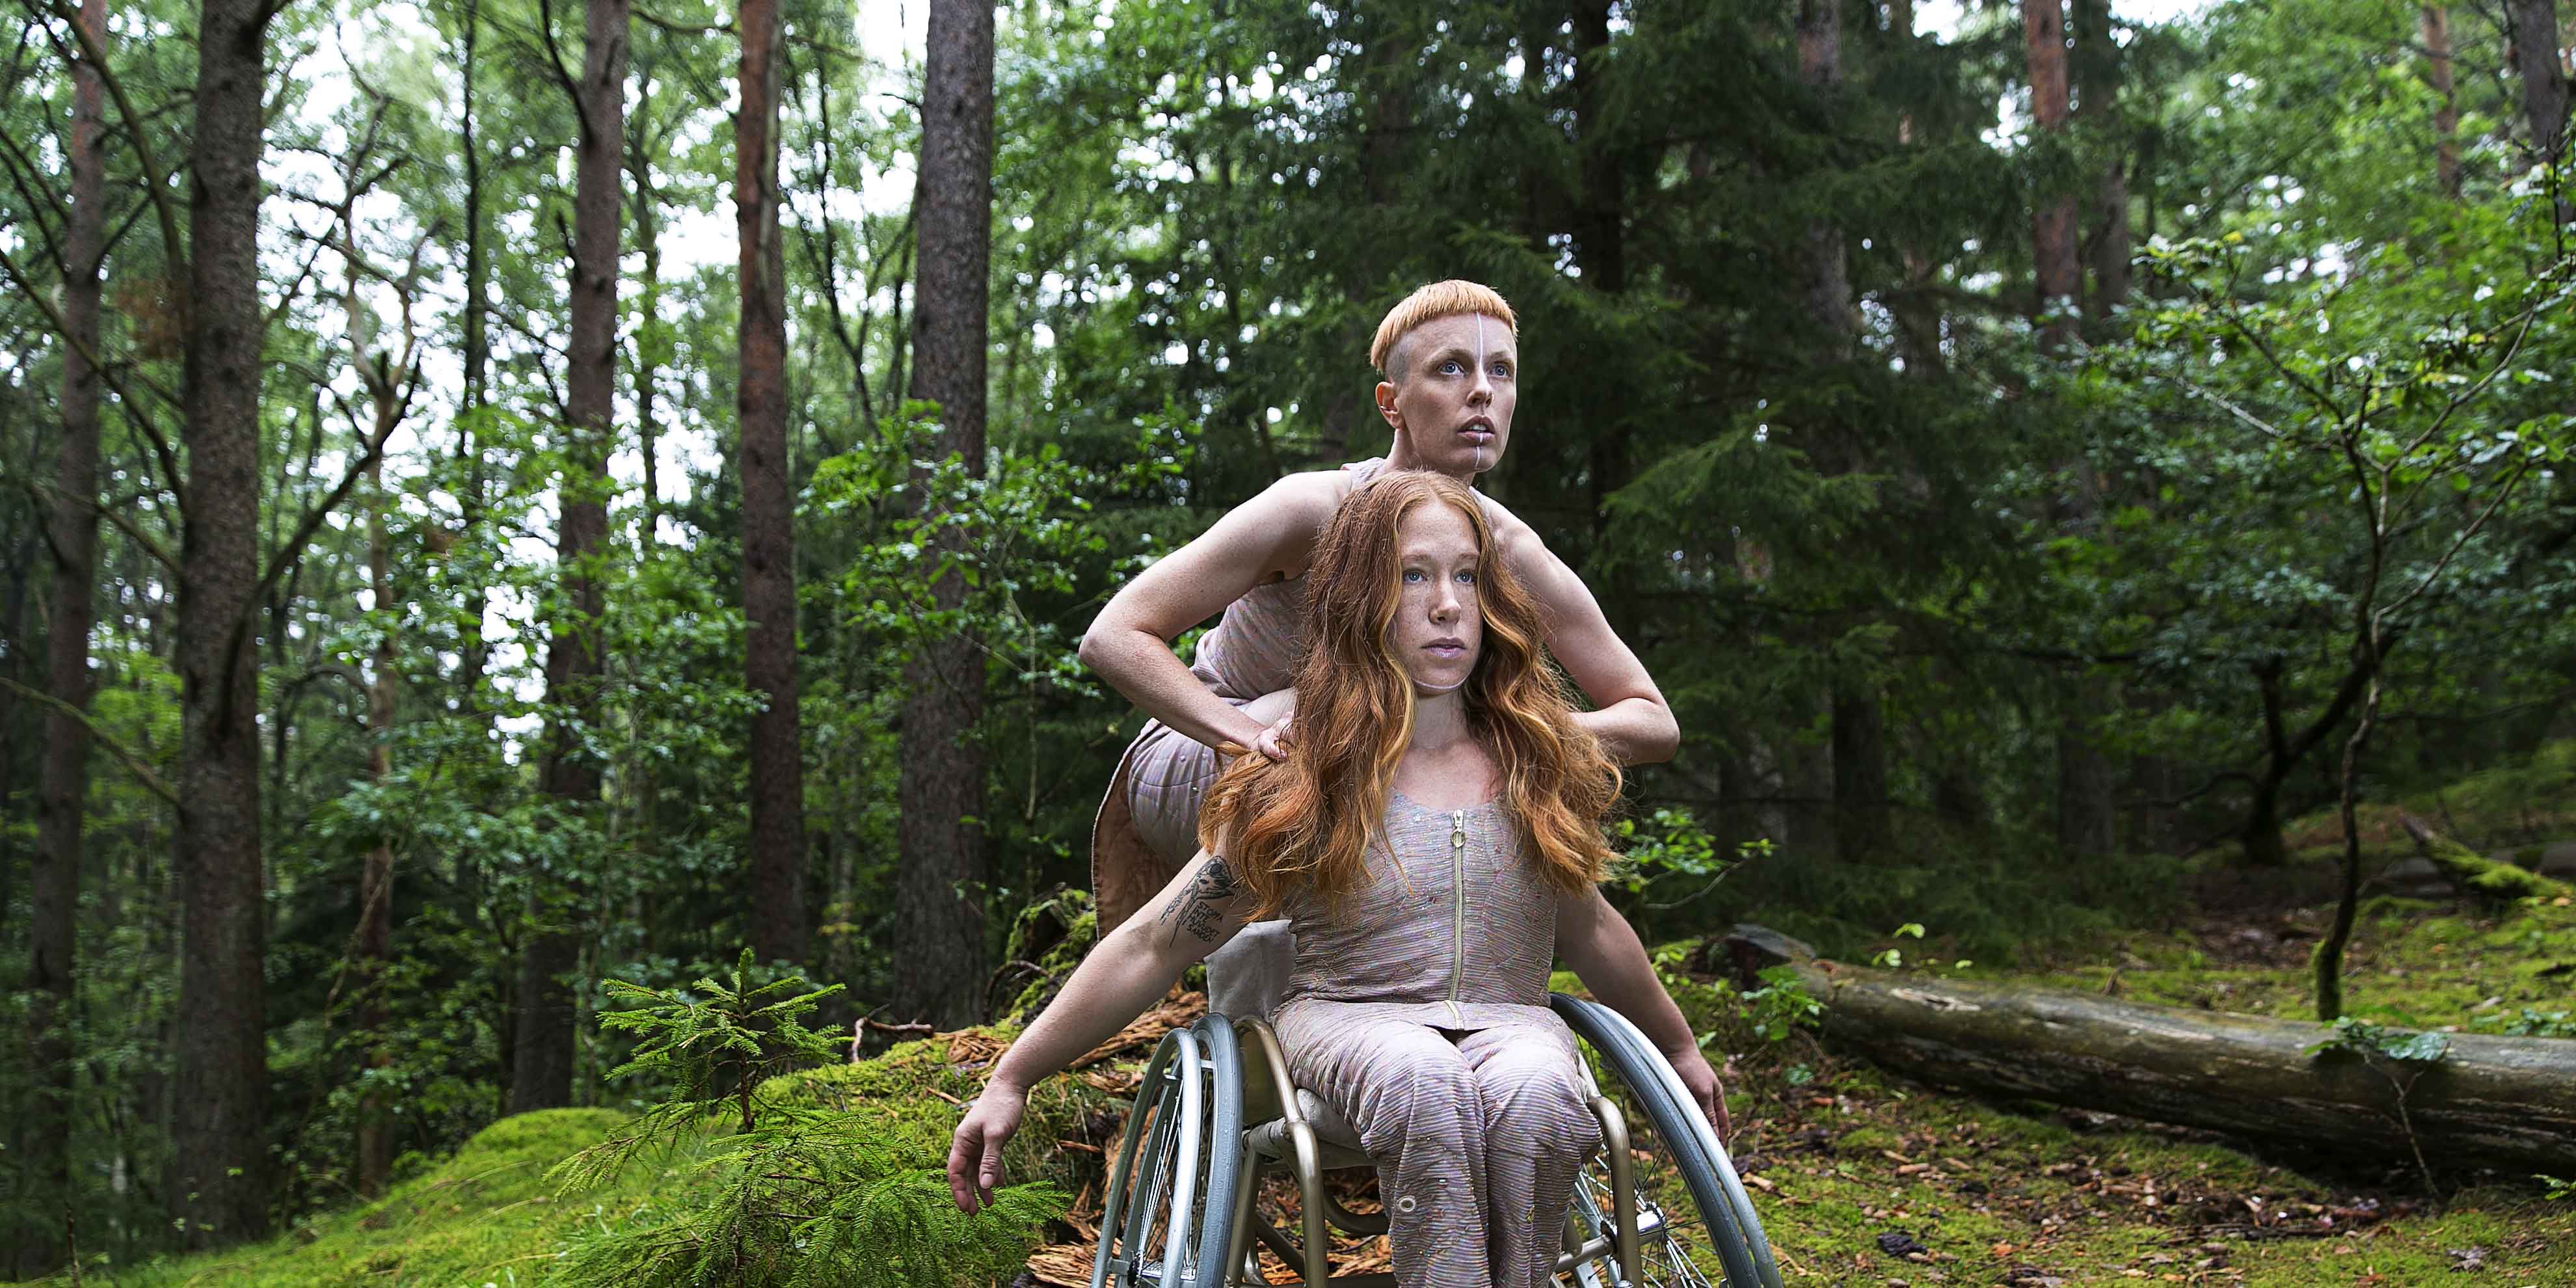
<point x="2477" y="876"/>
<point x="2490" y="1100"/>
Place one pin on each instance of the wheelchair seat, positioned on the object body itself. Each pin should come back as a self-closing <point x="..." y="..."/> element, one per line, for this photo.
<point x="1339" y="1140"/>
<point x="1659" y="1204"/>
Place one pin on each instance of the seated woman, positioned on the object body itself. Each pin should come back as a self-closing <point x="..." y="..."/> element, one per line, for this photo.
<point x="1434" y="835"/>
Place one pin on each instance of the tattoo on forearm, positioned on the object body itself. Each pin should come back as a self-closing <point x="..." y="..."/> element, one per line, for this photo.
<point x="1196" y="911"/>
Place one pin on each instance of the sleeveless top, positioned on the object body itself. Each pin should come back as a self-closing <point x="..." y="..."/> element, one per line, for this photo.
<point x="1451" y="925"/>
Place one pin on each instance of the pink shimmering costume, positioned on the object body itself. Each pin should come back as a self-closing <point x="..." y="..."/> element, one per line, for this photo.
<point x="1418" y="1009"/>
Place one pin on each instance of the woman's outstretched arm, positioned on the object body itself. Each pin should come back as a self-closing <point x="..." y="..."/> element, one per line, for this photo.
<point x="1123" y="974"/>
<point x="1606" y="954"/>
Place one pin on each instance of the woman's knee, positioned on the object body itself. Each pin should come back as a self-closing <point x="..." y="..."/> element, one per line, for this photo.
<point x="1536" y="1097"/>
<point x="1418" y="1089"/>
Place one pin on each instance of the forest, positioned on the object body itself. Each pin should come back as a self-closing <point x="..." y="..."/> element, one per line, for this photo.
<point x="511" y="510"/>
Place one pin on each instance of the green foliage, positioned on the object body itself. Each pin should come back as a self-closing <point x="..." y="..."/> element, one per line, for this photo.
<point x="2531" y="1023"/>
<point x="1200" y="212"/>
<point x="1671" y="851"/>
<point x="2362" y="1038"/>
<point x="1782" y="1005"/>
<point x="714" y="1043"/>
<point x="1893" y="958"/>
<point x="799" y="1190"/>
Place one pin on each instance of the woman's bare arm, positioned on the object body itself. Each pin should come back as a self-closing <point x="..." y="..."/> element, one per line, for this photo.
<point x="1629" y="714"/>
<point x="1604" y="951"/>
<point x="1123" y="974"/>
<point x="1129" y="969"/>
<point x="1267" y="538"/>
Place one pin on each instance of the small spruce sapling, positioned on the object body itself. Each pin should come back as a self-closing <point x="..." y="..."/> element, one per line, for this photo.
<point x="801" y="1191"/>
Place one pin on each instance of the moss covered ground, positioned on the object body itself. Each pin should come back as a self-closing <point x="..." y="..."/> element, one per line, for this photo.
<point x="1855" y="1169"/>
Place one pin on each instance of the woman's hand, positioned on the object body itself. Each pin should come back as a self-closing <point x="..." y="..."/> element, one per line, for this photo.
<point x="1704" y="1087"/>
<point x="1275" y="741"/>
<point x="975" y="1154"/>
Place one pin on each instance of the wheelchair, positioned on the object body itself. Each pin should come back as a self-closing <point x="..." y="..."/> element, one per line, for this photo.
<point x="1659" y="1204"/>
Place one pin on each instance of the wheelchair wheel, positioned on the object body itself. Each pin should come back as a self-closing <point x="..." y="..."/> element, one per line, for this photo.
<point x="1179" y="1160"/>
<point x="1695" y="1225"/>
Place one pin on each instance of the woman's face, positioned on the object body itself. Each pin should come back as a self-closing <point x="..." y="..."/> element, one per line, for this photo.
<point x="1438" y="630"/>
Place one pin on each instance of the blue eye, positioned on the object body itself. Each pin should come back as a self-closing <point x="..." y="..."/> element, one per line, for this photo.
<point x="1451" y="367"/>
<point x="1467" y="578"/>
<point x="1412" y="575"/>
<point x="1503" y="369"/>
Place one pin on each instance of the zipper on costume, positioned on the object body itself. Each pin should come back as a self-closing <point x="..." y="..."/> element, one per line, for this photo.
<point x="1458" y="909"/>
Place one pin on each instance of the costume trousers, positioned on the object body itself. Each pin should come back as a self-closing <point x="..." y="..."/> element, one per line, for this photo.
<point x="1477" y="1134"/>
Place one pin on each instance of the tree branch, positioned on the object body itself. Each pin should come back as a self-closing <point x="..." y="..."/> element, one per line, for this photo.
<point x="156" y="181"/>
<point x="133" y="764"/>
<point x="106" y="373"/>
<point x="563" y="74"/>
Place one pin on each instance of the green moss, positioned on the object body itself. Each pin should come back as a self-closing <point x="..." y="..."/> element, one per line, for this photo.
<point x="485" y="1215"/>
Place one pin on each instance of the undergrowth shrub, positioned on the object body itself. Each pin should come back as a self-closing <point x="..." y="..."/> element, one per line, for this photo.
<point x="808" y="1180"/>
<point x="1989" y="905"/>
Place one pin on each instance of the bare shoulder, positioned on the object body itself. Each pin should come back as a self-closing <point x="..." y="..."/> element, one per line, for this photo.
<point x="1284" y="521"/>
<point x="1310" y="495"/>
<point x="1517" y="542"/>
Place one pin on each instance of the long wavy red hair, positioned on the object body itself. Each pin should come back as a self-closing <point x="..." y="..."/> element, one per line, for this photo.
<point x="1304" y="824"/>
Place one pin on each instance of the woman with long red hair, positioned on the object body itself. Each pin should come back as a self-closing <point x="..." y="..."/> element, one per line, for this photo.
<point x="1435" y="837"/>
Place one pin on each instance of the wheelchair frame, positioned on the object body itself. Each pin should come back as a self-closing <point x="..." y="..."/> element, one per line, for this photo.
<point x="1226" y="1113"/>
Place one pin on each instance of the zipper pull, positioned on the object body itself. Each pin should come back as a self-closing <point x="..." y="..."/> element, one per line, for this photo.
<point x="1457" y="829"/>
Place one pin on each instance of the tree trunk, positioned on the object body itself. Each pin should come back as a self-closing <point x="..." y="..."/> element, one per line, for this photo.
<point x="769" y="504"/>
<point x="2476" y="876"/>
<point x="475" y="655"/>
<point x="63" y="784"/>
<point x="2086" y="824"/>
<point x="542" y="1053"/>
<point x="1918" y="318"/>
<point x="2505" y="1102"/>
<point x="374" y="946"/>
<point x="1601" y="250"/>
<point x="217" y="1186"/>
<point x="652" y="344"/>
<point x="2446" y="118"/>
<point x="2097" y="64"/>
<point x="1859" y="738"/>
<point x="939" y="906"/>
<point x="2534" y="39"/>
<point x="375" y="940"/>
<point x="2053" y="216"/>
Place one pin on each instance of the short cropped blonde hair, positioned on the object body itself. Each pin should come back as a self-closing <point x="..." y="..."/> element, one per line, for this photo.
<point x="1438" y="300"/>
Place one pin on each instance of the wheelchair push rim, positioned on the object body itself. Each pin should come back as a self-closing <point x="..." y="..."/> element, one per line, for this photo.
<point x="1665" y="1122"/>
<point x="1179" y="1152"/>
